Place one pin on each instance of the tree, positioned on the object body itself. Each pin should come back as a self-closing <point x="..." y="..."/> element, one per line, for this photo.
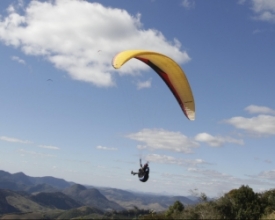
<point x="240" y="203"/>
<point x="267" y="199"/>
<point x="175" y="209"/>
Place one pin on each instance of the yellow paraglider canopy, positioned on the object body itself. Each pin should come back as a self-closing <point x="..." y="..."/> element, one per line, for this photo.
<point x="169" y="71"/>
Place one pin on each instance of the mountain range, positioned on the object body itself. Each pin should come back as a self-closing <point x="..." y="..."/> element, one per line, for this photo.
<point x="20" y="193"/>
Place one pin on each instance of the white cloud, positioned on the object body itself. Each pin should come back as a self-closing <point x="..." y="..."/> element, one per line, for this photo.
<point x="106" y="148"/>
<point x="49" y="147"/>
<point x="165" y="159"/>
<point x="34" y="154"/>
<point x="260" y="125"/>
<point x="19" y="60"/>
<point x="213" y="182"/>
<point x="265" y="175"/>
<point x="160" y="139"/>
<point x="217" y="141"/>
<point x="257" y="31"/>
<point x="69" y="34"/>
<point x="254" y="109"/>
<point x="216" y="183"/>
<point x="144" y="84"/>
<point x="263" y="160"/>
<point x="124" y="161"/>
<point x="222" y="179"/>
<point x="78" y="161"/>
<point x="264" y="10"/>
<point x="188" y="4"/>
<point x="211" y="174"/>
<point x="14" y="140"/>
<point x="241" y="2"/>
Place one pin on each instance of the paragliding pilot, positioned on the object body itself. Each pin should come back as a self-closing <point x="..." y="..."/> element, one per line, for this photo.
<point x="143" y="172"/>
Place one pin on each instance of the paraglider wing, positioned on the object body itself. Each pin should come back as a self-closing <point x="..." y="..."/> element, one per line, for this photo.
<point x="169" y="71"/>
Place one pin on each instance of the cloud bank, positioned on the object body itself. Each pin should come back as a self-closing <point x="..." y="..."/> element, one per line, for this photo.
<point x="144" y="84"/>
<point x="70" y="33"/>
<point x="259" y="126"/>
<point x="14" y="140"/>
<point x="19" y="60"/>
<point x="160" y="139"/>
<point x="217" y="141"/>
<point x="255" y="109"/>
<point x="188" y="4"/>
<point x="50" y="147"/>
<point x="165" y="159"/>
<point x="106" y="148"/>
<point x="264" y="10"/>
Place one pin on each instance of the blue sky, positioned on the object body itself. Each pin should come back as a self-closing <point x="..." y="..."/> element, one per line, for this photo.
<point x="65" y="111"/>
